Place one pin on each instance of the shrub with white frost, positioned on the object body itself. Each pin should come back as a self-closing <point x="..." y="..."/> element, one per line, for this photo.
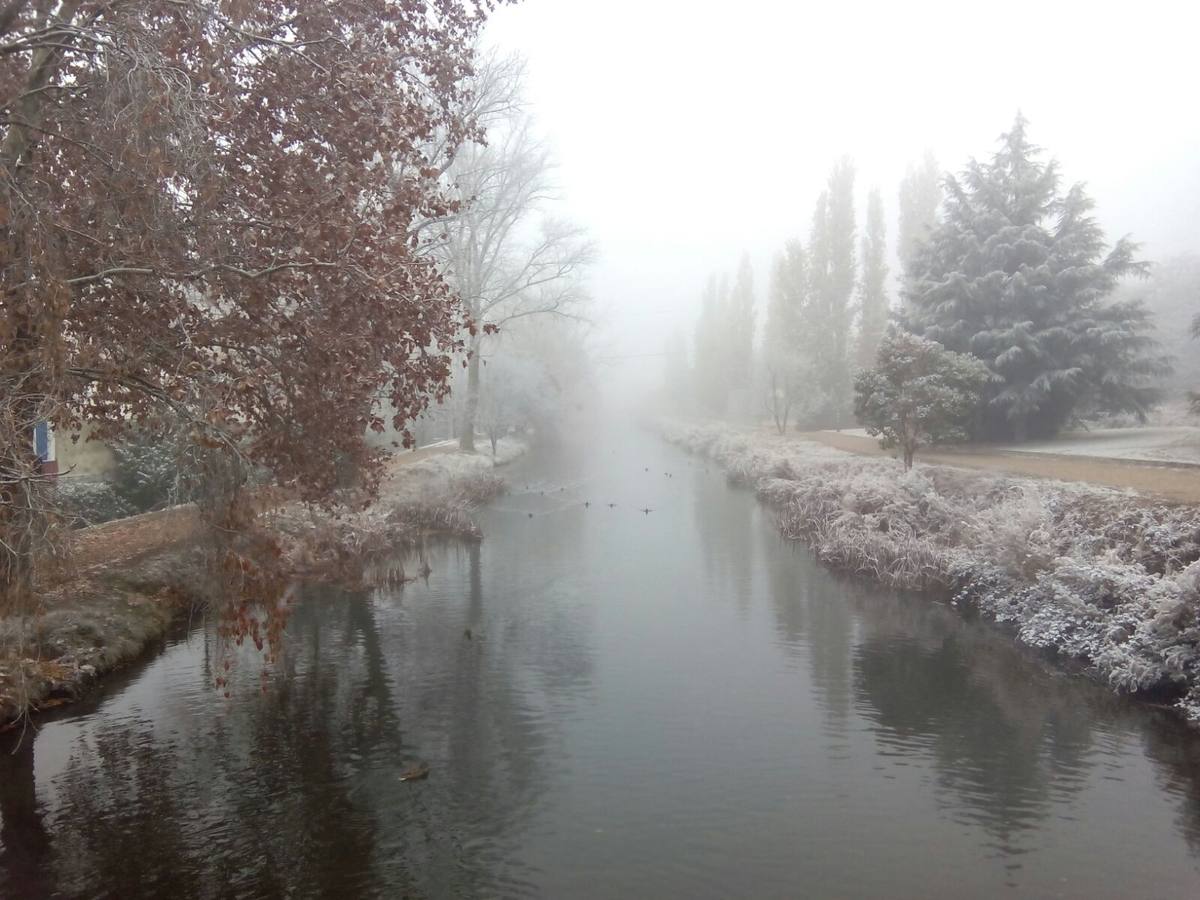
<point x="1101" y="576"/>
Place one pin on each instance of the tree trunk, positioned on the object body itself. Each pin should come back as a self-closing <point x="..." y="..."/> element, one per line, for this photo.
<point x="21" y="503"/>
<point x="781" y="405"/>
<point x="1021" y="429"/>
<point x="18" y="519"/>
<point x="466" y="436"/>
<point x="908" y="442"/>
<point x="782" y="419"/>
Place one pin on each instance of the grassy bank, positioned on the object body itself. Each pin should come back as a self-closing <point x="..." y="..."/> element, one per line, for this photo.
<point x="1106" y="578"/>
<point x="131" y="580"/>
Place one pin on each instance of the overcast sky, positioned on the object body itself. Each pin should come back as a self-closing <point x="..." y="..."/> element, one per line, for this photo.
<point x="689" y="132"/>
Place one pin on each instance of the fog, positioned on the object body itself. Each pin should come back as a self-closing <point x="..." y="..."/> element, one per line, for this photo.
<point x="546" y="448"/>
<point x="687" y="133"/>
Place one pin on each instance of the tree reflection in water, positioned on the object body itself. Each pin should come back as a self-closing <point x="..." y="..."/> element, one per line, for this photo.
<point x="676" y="704"/>
<point x="296" y="792"/>
<point x="1011" y="738"/>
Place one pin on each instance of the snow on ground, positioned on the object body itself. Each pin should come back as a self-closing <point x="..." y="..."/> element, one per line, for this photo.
<point x="1180" y="444"/>
<point x="411" y="480"/>
<point x="1166" y="444"/>
<point x="1094" y="574"/>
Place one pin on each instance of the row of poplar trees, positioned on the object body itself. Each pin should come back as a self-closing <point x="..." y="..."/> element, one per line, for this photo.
<point x="827" y="309"/>
<point x="1001" y="262"/>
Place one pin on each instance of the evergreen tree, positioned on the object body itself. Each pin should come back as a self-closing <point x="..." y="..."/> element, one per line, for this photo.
<point x="872" y="298"/>
<point x="920" y="197"/>
<point x="1018" y="275"/>
<point x="1171" y="294"/>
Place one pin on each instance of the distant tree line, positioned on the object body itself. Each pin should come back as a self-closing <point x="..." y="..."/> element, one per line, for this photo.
<point x="1001" y="264"/>
<point x="724" y="340"/>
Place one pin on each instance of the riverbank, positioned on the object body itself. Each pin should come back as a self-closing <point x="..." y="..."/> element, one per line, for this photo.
<point x="1099" y="577"/>
<point x="130" y="581"/>
<point x="1172" y="480"/>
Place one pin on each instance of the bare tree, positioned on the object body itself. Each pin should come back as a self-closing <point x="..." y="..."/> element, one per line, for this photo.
<point x="504" y="255"/>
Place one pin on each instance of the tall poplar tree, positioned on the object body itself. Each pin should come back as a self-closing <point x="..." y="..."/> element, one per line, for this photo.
<point x="872" y="296"/>
<point x="832" y="278"/>
<point x="740" y="332"/>
<point x="783" y="337"/>
<point x="711" y="354"/>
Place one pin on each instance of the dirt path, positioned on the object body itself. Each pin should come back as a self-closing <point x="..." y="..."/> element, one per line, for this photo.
<point x="407" y="457"/>
<point x="1176" y="483"/>
<point x="123" y="540"/>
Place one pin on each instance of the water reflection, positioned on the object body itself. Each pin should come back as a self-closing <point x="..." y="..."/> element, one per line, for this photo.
<point x="1178" y="770"/>
<point x="611" y="703"/>
<point x="296" y="792"/>
<point x="24" y="840"/>
<point x="726" y="541"/>
<point x="1012" y="740"/>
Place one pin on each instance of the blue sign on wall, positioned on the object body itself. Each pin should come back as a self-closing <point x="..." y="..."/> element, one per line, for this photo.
<point x="41" y="441"/>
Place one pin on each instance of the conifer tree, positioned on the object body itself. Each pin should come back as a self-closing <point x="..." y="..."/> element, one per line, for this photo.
<point x="920" y="197"/>
<point x="1018" y="274"/>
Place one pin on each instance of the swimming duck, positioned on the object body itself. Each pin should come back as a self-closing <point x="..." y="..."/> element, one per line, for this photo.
<point x="418" y="772"/>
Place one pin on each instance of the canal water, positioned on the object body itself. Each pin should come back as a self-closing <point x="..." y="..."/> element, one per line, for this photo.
<point x="611" y="703"/>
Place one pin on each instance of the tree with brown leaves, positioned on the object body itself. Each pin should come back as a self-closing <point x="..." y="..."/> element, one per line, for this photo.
<point x="210" y="213"/>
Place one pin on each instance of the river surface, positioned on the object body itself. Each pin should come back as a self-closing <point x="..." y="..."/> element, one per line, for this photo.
<point x="673" y="704"/>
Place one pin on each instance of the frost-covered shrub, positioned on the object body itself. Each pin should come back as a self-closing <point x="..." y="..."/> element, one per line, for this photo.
<point x="1012" y="531"/>
<point x="1104" y="577"/>
<point x="147" y="473"/>
<point x="90" y="502"/>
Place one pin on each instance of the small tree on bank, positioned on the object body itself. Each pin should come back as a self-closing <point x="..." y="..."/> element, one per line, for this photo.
<point x="918" y="393"/>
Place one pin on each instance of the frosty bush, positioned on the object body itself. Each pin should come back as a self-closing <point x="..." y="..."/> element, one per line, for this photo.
<point x="91" y="502"/>
<point x="1108" y="578"/>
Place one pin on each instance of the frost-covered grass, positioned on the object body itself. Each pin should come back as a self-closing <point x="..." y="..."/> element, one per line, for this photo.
<point x="1160" y="444"/>
<point x="435" y="494"/>
<point x="1108" y="578"/>
<point x="416" y="482"/>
